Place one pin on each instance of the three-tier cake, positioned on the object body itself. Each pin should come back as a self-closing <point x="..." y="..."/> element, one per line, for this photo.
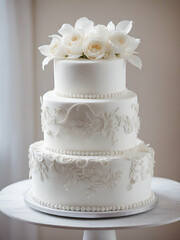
<point x="91" y="158"/>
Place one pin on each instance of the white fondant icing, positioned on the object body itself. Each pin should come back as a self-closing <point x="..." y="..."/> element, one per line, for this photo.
<point x="86" y="180"/>
<point x="101" y="125"/>
<point x="89" y="77"/>
<point x="91" y="159"/>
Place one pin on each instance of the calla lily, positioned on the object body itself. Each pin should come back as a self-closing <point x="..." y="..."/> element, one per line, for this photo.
<point x="46" y="61"/>
<point x="133" y="59"/>
<point x="133" y="44"/>
<point x="45" y="50"/>
<point x="124" y="26"/>
<point x="66" y="29"/>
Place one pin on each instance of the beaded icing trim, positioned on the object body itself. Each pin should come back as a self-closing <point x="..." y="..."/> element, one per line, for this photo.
<point x="93" y="153"/>
<point x="91" y="96"/>
<point x="97" y="208"/>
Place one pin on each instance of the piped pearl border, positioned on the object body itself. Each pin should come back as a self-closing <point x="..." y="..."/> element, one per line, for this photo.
<point x="93" y="153"/>
<point x="91" y="96"/>
<point x="97" y="208"/>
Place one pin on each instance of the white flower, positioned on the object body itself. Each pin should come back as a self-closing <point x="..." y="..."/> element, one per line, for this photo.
<point x="94" y="42"/>
<point x="125" y="46"/>
<point x="122" y="43"/>
<point x="84" y="25"/>
<point x="52" y="51"/>
<point x="101" y="33"/>
<point x="133" y="59"/>
<point x="111" y="26"/>
<point x="72" y="41"/>
<point x="124" y="26"/>
<point x="73" y="38"/>
<point x="94" y="49"/>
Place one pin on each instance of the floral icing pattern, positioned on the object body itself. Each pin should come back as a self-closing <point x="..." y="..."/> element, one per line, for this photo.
<point x="104" y="123"/>
<point x="85" y="40"/>
<point x="98" y="173"/>
<point x="37" y="164"/>
<point x="140" y="169"/>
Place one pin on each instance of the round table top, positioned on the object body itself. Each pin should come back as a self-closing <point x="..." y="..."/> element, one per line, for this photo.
<point x="167" y="210"/>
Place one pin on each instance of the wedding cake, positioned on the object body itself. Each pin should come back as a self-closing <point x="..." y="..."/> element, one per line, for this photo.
<point x="91" y="159"/>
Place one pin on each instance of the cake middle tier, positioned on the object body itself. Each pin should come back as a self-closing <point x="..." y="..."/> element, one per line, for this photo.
<point x="90" y="126"/>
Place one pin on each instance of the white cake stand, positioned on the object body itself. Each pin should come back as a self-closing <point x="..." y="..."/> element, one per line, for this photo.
<point x="167" y="211"/>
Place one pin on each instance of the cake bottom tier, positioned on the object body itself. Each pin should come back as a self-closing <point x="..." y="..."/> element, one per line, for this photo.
<point x="97" y="183"/>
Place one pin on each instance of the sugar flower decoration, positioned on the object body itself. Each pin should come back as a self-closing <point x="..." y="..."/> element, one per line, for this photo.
<point x="85" y="40"/>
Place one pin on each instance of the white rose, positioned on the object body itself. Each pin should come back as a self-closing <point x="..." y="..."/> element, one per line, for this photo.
<point x="74" y="44"/>
<point x="72" y="41"/>
<point x="122" y="43"/>
<point x="104" y="32"/>
<point x="94" y="49"/>
<point x="52" y="51"/>
<point x="119" y="41"/>
<point x="125" y="47"/>
<point x="84" y="26"/>
<point x="101" y="33"/>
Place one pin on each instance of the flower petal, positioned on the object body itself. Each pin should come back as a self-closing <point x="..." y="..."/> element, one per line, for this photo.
<point x="133" y="44"/>
<point x="46" y="61"/>
<point x="118" y="49"/>
<point x="94" y="57"/>
<point x="100" y="32"/>
<point x="66" y="29"/>
<point x="134" y="60"/>
<point x="56" y="37"/>
<point x="124" y="26"/>
<point x="45" y="50"/>
<point x="84" y="24"/>
<point x="111" y="26"/>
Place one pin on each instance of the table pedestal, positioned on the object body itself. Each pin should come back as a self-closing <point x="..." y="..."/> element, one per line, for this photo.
<point x="99" y="235"/>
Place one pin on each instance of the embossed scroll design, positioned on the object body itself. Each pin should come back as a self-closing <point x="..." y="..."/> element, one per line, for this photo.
<point x="81" y="118"/>
<point x="97" y="174"/>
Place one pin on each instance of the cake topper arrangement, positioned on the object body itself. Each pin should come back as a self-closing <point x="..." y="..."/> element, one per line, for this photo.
<point x="94" y="42"/>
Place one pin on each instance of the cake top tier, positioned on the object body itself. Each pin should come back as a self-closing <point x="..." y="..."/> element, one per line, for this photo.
<point x="83" y="78"/>
<point x="87" y="41"/>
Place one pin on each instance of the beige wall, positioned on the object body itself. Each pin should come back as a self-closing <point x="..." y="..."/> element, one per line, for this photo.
<point x="156" y="22"/>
